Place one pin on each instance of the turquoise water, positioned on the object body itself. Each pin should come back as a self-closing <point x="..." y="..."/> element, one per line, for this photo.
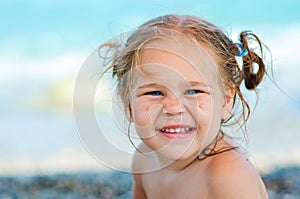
<point x="38" y="132"/>
<point x="37" y="137"/>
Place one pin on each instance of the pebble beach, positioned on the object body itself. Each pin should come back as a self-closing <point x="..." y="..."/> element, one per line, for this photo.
<point x="283" y="183"/>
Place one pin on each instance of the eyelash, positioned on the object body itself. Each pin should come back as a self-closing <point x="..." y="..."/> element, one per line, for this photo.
<point x="188" y="92"/>
<point x="154" y="93"/>
<point x="194" y="92"/>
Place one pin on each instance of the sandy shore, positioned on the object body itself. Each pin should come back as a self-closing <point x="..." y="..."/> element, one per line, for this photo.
<point x="281" y="183"/>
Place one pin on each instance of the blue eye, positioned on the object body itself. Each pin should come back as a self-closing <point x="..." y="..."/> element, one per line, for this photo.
<point x="154" y="93"/>
<point x="192" y="92"/>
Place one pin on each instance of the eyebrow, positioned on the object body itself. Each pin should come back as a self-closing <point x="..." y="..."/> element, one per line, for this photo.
<point x="149" y="85"/>
<point x="191" y="83"/>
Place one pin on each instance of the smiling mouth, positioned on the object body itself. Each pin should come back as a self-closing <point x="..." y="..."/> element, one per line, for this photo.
<point x="176" y="131"/>
<point x="179" y="130"/>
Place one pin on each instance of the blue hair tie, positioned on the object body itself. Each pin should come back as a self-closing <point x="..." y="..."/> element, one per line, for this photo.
<point x="241" y="52"/>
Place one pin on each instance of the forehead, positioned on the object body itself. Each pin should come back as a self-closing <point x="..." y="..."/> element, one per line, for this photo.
<point x="179" y="57"/>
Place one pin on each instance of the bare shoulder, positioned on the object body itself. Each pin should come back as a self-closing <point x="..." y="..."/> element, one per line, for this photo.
<point x="143" y="159"/>
<point x="232" y="176"/>
<point x="138" y="191"/>
<point x="137" y="170"/>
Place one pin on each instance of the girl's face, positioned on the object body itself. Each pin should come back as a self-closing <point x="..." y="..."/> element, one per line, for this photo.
<point x="178" y="100"/>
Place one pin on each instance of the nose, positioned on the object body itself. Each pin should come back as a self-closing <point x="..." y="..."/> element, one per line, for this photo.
<point x="172" y="105"/>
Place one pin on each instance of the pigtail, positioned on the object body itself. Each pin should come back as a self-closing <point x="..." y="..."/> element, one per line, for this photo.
<point x="251" y="71"/>
<point x="251" y="77"/>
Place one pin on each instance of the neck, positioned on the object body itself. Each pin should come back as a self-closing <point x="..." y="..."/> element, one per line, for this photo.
<point x="221" y="145"/>
<point x="176" y="165"/>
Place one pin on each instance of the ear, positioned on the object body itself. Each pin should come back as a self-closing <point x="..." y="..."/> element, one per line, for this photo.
<point x="128" y="112"/>
<point x="228" y="103"/>
<point x="126" y="105"/>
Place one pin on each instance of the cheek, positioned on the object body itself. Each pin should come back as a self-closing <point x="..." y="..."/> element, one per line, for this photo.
<point x="209" y="120"/>
<point x="208" y="111"/>
<point x="215" y="116"/>
<point x="144" y="113"/>
<point x="218" y="104"/>
<point x="140" y="114"/>
<point x="201" y="108"/>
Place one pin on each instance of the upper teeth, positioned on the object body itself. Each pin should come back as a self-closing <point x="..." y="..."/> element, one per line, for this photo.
<point x="175" y="130"/>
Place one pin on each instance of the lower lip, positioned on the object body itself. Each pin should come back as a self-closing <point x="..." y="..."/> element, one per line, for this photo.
<point x="176" y="135"/>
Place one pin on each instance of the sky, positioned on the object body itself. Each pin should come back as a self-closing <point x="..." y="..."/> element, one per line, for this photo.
<point x="33" y="30"/>
<point x="43" y="45"/>
<point x="46" y="27"/>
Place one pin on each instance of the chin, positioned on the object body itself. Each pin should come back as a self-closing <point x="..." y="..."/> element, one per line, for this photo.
<point x="179" y="154"/>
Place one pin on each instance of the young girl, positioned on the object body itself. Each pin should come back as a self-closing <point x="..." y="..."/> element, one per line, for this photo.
<point x="178" y="79"/>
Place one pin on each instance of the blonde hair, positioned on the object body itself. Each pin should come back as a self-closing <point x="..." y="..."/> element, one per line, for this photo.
<point x="127" y="56"/>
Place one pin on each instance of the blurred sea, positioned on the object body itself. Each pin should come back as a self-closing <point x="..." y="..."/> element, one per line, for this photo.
<point x="40" y="56"/>
<point x="38" y="132"/>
